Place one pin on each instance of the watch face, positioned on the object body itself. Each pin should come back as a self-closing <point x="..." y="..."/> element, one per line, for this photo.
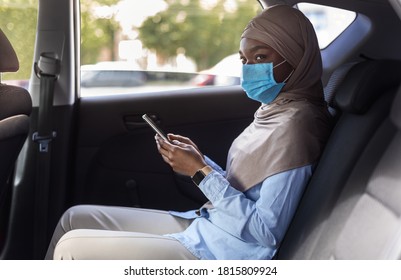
<point x="198" y="177"/>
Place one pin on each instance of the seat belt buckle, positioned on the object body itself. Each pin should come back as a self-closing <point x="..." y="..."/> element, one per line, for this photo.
<point x="44" y="141"/>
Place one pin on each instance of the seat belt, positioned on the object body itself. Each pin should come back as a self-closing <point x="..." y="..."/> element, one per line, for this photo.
<point x="47" y="70"/>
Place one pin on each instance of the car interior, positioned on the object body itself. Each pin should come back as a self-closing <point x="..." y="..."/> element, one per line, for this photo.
<point x="98" y="150"/>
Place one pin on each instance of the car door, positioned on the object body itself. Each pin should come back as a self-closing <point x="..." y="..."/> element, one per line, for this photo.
<point x="117" y="162"/>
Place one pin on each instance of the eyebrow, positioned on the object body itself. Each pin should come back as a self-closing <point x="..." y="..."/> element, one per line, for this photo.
<point x="255" y="48"/>
<point x="258" y="47"/>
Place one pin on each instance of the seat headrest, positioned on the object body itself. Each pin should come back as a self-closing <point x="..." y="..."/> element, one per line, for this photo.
<point x="8" y="57"/>
<point x="365" y="82"/>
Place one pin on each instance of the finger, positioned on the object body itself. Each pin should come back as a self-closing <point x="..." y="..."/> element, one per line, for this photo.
<point x="178" y="137"/>
<point x="184" y="140"/>
<point x="157" y="142"/>
<point x="161" y="142"/>
<point x="168" y="150"/>
<point x="179" y="144"/>
<point x="173" y="137"/>
<point x="171" y="146"/>
<point x="161" y="147"/>
<point x="165" y="154"/>
<point x="166" y="159"/>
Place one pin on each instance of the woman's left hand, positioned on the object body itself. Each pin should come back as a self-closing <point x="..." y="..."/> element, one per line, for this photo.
<point x="182" y="157"/>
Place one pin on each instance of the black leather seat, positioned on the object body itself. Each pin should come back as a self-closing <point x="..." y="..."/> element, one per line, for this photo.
<point x="352" y="206"/>
<point x="15" y="108"/>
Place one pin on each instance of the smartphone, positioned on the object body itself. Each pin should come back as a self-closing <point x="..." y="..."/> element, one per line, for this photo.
<point x="155" y="127"/>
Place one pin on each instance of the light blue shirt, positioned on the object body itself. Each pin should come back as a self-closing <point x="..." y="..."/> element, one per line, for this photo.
<point x="247" y="225"/>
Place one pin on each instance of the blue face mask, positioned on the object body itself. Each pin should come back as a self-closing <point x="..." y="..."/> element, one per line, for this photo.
<point x="258" y="82"/>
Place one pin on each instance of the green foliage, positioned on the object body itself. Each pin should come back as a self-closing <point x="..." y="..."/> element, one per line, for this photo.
<point x="97" y="34"/>
<point x="204" y="34"/>
<point x="18" y="21"/>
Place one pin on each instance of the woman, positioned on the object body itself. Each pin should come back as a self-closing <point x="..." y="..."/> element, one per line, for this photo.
<point x="269" y="164"/>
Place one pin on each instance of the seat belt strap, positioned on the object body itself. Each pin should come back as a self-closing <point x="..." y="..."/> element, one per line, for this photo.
<point x="47" y="70"/>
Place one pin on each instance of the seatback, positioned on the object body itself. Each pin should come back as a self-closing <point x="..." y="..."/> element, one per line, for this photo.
<point x="15" y="108"/>
<point x="330" y="222"/>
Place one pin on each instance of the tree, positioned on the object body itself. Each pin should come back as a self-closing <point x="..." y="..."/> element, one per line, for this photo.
<point x="205" y="34"/>
<point x="18" y="22"/>
<point x="97" y="32"/>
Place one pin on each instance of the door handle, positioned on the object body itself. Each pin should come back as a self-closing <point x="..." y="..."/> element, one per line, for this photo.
<point x="133" y="122"/>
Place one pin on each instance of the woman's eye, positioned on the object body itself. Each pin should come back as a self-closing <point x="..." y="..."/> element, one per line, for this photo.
<point x="243" y="60"/>
<point x="260" y="58"/>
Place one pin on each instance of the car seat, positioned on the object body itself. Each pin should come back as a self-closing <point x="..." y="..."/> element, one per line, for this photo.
<point x="15" y="108"/>
<point x="352" y="206"/>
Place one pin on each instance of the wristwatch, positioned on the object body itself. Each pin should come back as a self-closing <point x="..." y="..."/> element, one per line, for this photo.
<point x="201" y="174"/>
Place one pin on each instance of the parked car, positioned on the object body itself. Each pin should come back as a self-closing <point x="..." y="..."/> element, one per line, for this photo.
<point x="112" y="74"/>
<point x="226" y="72"/>
<point x="116" y="77"/>
<point x="100" y="151"/>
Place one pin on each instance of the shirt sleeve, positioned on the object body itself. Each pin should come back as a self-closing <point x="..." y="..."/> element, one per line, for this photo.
<point x="214" y="166"/>
<point x="261" y="217"/>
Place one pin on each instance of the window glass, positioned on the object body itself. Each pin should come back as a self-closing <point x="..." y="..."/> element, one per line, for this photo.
<point x="18" y="20"/>
<point x="157" y="45"/>
<point x="328" y="22"/>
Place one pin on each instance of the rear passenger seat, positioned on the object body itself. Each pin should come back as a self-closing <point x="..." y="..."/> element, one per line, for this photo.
<point x="352" y="206"/>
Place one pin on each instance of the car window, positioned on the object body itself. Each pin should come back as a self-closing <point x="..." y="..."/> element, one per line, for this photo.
<point x="156" y="45"/>
<point x="328" y="22"/>
<point x="18" y="20"/>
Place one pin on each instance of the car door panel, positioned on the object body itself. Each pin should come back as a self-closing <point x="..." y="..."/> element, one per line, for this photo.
<point x="117" y="160"/>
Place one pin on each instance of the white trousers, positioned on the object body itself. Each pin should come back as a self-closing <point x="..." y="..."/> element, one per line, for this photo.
<point x="103" y="232"/>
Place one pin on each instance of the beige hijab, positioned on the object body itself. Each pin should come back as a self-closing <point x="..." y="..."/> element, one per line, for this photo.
<point x="291" y="131"/>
